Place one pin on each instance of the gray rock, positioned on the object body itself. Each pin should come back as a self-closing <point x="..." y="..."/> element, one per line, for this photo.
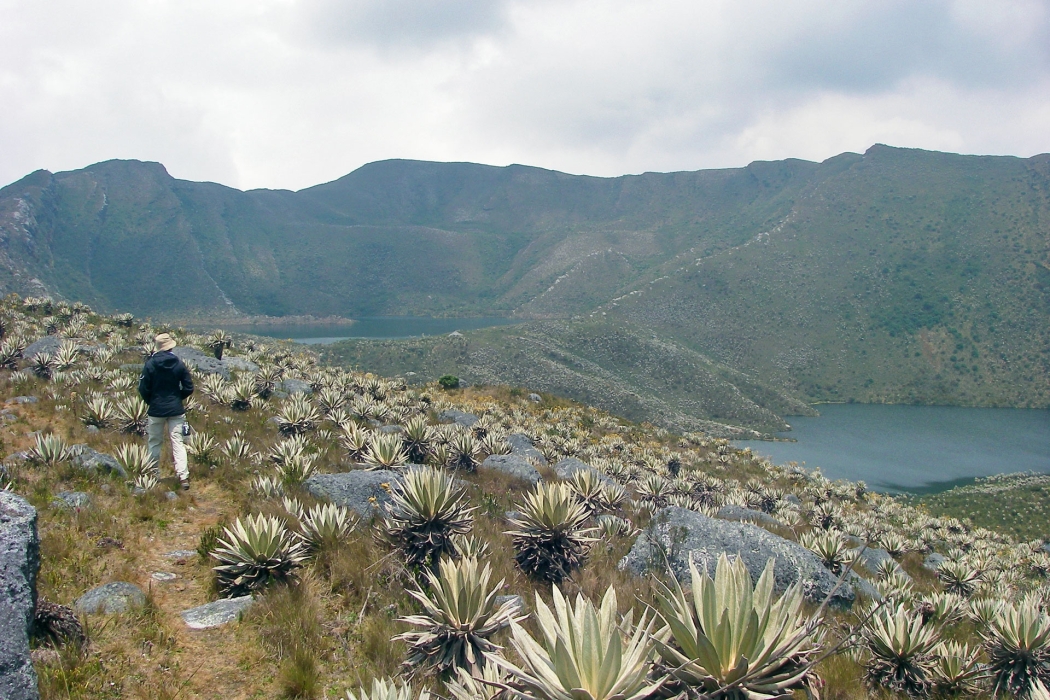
<point x="354" y="489"/>
<point x="99" y="462"/>
<point x="163" y="576"/>
<point x="92" y="429"/>
<point x="516" y="599"/>
<point x="565" y="468"/>
<point x="934" y="561"/>
<point x="23" y="399"/>
<point x="181" y="554"/>
<point x="71" y="500"/>
<point x="793" y="499"/>
<point x="515" y="466"/>
<point x="48" y="344"/>
<point x="535" y="398"/>
<point x="205" y="364"/>
<point x="171" y="495"/>
<point x="391" y="429"/>
<point x="7" y="416"/>
<point x="294" y="386"/>
<point x="19" y="563"/>
<point x="113" y="597"/>
<point x="239" y="364"/>
<point x="677" y="536"/>
<point x="521" y="445"/>
<point x="747" y="515"/>
<point x="872" y="557"/>
<point x="215" y="614"/>
<point x="451" y="415"/>
<point x="862" y="587"/>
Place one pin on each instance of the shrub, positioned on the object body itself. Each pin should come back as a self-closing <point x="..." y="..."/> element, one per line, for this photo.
<point x="449" y="381"/>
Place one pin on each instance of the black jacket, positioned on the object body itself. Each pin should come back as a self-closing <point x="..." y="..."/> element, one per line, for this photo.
<point x="164" y="384"/>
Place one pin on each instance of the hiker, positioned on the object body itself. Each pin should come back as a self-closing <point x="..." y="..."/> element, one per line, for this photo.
<point x="164" y="384"/>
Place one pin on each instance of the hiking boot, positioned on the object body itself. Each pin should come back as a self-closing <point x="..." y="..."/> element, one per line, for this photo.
<point x="185" y="484"/>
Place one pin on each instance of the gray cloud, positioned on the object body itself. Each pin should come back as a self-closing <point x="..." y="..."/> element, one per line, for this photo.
<point x="288" y="93"/>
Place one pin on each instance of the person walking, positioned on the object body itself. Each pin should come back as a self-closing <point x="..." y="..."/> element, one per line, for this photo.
<point x="165" y="383"/>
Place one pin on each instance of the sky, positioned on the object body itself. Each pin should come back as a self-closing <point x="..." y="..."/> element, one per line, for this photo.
<point x="292" y="93"/>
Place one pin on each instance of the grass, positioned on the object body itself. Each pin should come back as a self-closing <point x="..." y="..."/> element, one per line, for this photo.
<point x="1015" y="504"/>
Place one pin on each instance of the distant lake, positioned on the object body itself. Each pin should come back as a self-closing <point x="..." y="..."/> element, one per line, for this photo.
<point x="914" y="448"/>
<point x="377" y="327"/>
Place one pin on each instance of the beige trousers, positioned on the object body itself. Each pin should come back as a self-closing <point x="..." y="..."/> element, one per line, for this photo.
<point x="173" y="427"/>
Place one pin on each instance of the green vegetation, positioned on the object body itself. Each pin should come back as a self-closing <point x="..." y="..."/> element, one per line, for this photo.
<point x="1015" y="503"/>
<point x="343" y="602"/>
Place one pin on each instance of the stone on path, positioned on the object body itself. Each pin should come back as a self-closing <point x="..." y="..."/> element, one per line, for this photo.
<point x="215" y="614"/>
<point x="512" y="465"/>
<point x="181" y="554"/>
<point x="163" y="576"/>
<point x="354" y="490"/>
<point x="19" y="562"/>
<point x="111" y="598"/>
<point x="677" y="536"/>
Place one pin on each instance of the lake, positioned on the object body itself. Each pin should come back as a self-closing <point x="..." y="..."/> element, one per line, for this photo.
<point x="377" y="327"/>
<point x="920" y="449"/>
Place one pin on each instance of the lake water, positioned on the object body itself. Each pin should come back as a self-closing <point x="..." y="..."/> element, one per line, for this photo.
<point x="378" y="327"/>
<point x="914" y="448"/>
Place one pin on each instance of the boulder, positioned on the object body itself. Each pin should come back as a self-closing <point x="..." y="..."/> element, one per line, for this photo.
<point x="517" y="600"/>
<point x="197" y="360"/>
<point x="23" y="399"/>
<point x="239" y="364"/>
<point x="215" y="614"/>
<point x="48" y="344"/>
<point x="513" y="465"/>
<point x="19" y="563"/>
<point x="71" y="500"/>
<point x="451" y="415"/>
<point x="934" y="561"/>
<point x="565" y="468"/>
<point x="89" y="460"/>
<point x="535" y="398"/>
<point x="354" y="490"/>
<point x="677" y="536"/>
<point x="872" y="557"/>
<point x="294" y="386"/>
<point x="521" y="445"/>
<point x="111" y="598"/>
<point x="741" y="514"/>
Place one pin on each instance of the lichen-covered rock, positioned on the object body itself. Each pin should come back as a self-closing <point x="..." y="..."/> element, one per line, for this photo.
<point x="741" y="514"/>
<point x="98" y="462"/>
<point x="204" y="364"/>
<point x="677" y="536"/>
<point x="71" y="500"/>
<point x="462" y="418"/>
<point x="19" y="563"/>
<point x="49" y="344"/>
<point x="565" y="468"/>
<point x="522" y="446"/>
<point x="513" y="465"/>
<point x="294" y="386"/>
<point x="111" y="598"/>
<point x="364" y="492"/>
<point x="239" y="364"/>
<point x="934" y="561"/>
<point x="215" y="614"/>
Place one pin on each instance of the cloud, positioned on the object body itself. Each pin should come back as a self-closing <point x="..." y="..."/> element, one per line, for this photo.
<point x="289" y="93"/>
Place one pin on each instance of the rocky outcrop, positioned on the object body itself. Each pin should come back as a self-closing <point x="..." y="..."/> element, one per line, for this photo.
<point x="363" y="492"/>
<point x="49" y="345"/>
<point x="19" y="563"/>
<point x="677" y="536"/>
<point x="512" y="465"/>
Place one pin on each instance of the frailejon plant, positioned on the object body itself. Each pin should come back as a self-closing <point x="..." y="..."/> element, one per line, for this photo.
<point x="387" y="689"/>
<point x="901" y="649"/>
<point x="549" y="532"/>
<point x="426" y="515"/>
<point x="460" y="615"/>
<point x="733" y="639"/>
<point x="385" y="451"/>
<point x="254" y="553"/>
<point x="326" y="526"/>
<point x="583" y="653"/>
<point x="1018" y="645"/>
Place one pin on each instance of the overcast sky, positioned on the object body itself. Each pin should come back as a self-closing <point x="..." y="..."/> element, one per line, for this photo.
<point x="291" y="93"/>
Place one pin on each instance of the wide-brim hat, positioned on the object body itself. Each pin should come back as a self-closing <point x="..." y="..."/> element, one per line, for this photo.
<point x="164" y="342"/>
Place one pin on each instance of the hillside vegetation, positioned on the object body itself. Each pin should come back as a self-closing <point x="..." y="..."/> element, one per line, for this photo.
<point x="890" y="276"/>
<point x="387" y="603"/>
